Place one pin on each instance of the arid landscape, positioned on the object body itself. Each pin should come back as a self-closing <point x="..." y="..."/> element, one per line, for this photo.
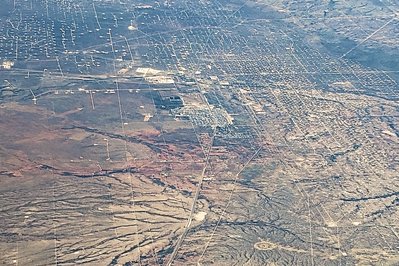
<point x="199" y="133"/>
